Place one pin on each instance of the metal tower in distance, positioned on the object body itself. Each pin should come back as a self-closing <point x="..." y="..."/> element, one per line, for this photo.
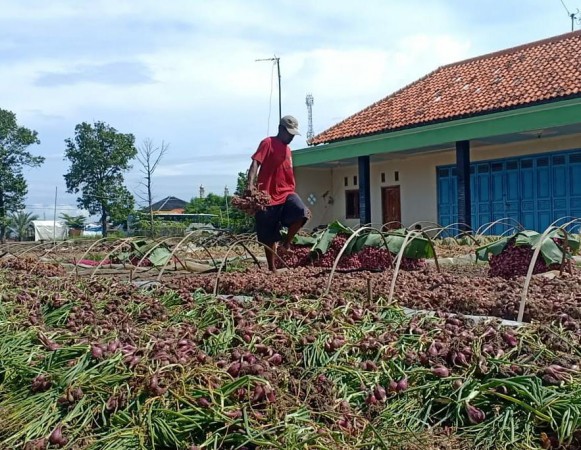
<point x="309" y="101"/>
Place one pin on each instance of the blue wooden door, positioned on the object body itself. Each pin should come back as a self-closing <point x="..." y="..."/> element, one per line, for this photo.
<point x="511" y="194"/>
<point x="483" y="191"/>
<point x="574" y="184"/>
<point x="497" y="195"/>
<point x="445" y="198"/>
<point x="527" y="190"/>
<point x="534" y="190"/>
<point x="560" y="183"/>
<point x="543" y="193"/>
<point x="473" y="197"/>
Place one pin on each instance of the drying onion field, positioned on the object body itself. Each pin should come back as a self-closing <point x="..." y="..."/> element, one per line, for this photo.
<point x="102" y="346"/>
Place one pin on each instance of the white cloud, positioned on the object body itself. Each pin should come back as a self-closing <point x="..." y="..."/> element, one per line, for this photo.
<point x="46" y="211"/>
<point x="346" y="81"/>
<point x="172" y="170"/>
<point x="208" y="97"/>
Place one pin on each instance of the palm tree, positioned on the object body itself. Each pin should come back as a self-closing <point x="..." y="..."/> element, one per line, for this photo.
<point x="19" y="222"/>
<point x="74" y="222"/>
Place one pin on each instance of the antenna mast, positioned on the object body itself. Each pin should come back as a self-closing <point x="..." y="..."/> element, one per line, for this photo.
<point x="276" y="60"/>
<point x="572" y="16"/>
<point x="309" y="101"/>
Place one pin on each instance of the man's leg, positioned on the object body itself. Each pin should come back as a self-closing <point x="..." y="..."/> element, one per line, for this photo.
<point x="294" y="217"/>
<point x="269" y="251"/>
<point x="268" y="232"/>
<point x="293" y="229"/>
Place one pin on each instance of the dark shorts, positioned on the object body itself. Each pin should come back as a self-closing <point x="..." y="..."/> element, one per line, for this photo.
<point x="270" y="221"/>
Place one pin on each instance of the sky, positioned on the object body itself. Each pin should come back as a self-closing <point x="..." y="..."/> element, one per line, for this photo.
<point x="184" y="72"/>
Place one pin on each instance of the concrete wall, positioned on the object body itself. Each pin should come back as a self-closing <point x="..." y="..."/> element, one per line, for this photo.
<point x="339" y="190"/>
<point x="316" y="182"/>
<point x="417" y="179"/>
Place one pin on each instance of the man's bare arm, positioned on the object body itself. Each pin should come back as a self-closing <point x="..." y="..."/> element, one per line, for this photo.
<point x="252" y="172"/>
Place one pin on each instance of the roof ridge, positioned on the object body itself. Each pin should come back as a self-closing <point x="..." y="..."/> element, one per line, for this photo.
<point x="386" y="98"/>
<point x="164" y="203"/>
<point x="505" y="51"/>
<point x="497" y="94"/>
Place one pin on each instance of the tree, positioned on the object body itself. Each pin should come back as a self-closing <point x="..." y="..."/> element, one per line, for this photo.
<point x="238" y="222"/>
<point x="149" y="157"/>
<point x="243" y="223"/>
<point x="14" y="140"/>
<point x="99" y="156"/>
<point x="241" y="183"/>
<point x="19" y="222"/>
<point x="124" y="205"/>
<point x="74" y="222"/>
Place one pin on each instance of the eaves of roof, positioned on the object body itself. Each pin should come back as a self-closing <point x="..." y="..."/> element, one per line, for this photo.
<point x="551" y="114"/>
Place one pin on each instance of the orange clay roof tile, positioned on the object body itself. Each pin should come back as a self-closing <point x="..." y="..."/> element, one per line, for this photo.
<point x="533" y="73"/>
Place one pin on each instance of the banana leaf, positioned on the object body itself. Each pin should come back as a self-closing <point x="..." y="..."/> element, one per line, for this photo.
<point x="572" y="239"/>
<point x="324" y="241"/>
<point x="305" y="240"/>
<point x="337" y="227"/>
<point x="417" y="248"/>
<point x="123" y="256"/>
<point x="158" y="257"/>
<point x="551" y="252"/>
<point x="494" y="248"/>
<point x="526" y="237"/>
<point x="326" y="237"/>
<point x="377" y="240"/>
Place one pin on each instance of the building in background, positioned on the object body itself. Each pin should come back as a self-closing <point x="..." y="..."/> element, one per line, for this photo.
<point x="169" y="205"/>
<point x="472" y="142"/>
<point x="49" y="230"/>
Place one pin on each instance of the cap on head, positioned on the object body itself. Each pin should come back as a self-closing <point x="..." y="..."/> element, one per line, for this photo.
<point x="291" y="125"/>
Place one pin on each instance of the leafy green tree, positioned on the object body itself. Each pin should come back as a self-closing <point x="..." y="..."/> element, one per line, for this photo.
<point x="203" y="205"/>
<point x="14" y="140"/>
<point x="99" y="155"/>
<point x="242" y="223"/>
<point x="241" y="183"/>
<point x="124" y="205"/>
<point x="19" y="223"/>
<point x="220" y="205"/>
<point x="74" y="222"/>
<point x="160" y="227"/>
<point x="211" y="204"/>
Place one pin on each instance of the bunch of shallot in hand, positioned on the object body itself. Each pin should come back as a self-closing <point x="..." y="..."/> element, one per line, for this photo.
<point x="251" y="202"/>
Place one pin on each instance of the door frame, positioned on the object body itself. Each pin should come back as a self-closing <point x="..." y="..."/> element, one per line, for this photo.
<point x="384" y="190"/>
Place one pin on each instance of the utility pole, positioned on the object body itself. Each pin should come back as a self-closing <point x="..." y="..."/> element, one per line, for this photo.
<point x="226" y="193"/>
<point x="54" y="216"/>
<point x="277" y="61"/>
<point x="310" y="133"/>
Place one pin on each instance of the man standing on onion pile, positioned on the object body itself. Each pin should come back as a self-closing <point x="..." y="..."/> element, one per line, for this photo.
<point x="272" y="162"/>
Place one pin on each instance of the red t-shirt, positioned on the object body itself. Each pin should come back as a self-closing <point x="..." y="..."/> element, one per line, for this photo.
<point x="276" y="169"/>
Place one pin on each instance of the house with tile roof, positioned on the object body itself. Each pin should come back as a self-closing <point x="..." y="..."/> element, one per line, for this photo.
<point x="492" y="137"/>
<point x="169" y="205"/>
